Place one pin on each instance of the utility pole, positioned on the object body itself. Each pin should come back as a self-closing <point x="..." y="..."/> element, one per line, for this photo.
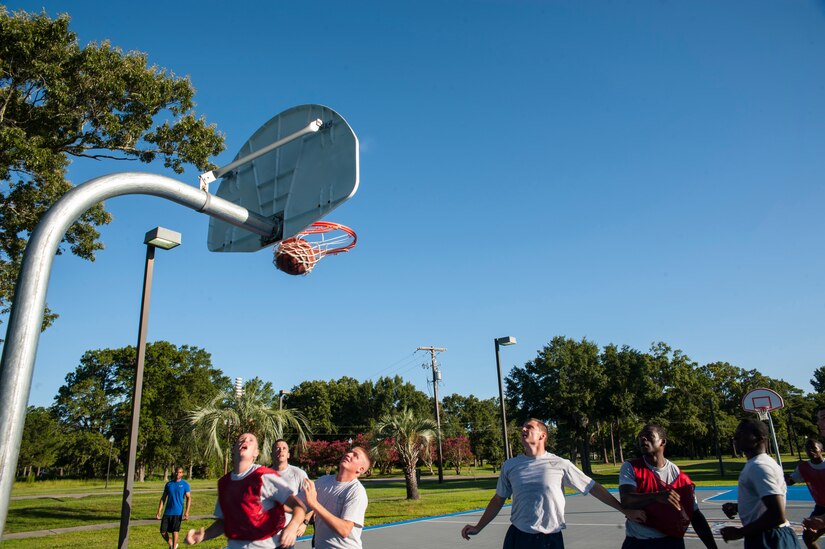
<point x="436" y="379"/>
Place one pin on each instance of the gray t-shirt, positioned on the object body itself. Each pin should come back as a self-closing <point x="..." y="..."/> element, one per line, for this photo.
<point x="761" y="476"/>
<point x="668" y="474"/>
<point x="537" y="487"/>
<point x="293" y="476"/>
<point x="345" y="500"/>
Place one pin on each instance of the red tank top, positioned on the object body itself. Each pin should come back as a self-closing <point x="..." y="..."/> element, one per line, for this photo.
<point x="664" y="516"/>
<point x="243" y="515"/>
<point x="815" y="478"/>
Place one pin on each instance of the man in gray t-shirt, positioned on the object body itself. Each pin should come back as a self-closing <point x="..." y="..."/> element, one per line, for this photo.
<point x="293" y="476"/>
<point x="339" y="502"/>
<point x="536" y="481"/>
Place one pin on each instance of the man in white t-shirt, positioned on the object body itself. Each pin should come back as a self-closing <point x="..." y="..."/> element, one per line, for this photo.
<point x="761" y="500"/>
<point x="339" y="502"/>
<point x="535" y="480"/>
<point x="655" y="484"/>
<point x="252" y="502"/>
<point x="294" y="477"/>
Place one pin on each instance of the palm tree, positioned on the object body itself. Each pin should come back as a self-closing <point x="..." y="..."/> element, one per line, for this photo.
<point x="411" y="434"/>
<point x="230" y="414"/>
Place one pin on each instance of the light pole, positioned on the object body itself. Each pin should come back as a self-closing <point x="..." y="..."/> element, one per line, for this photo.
<point x="238" y="392"/>
<point x="165" y="240"/>
<point x="716" y="438"/>
<point x="508" y="340"/>
<point x="109" y="464"/>
<point x="281" y="394"/>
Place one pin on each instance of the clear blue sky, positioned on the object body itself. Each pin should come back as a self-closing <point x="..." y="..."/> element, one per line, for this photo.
<point x="629" y="172"/>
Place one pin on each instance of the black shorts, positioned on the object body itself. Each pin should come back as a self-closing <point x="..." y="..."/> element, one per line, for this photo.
<point x="654" y="543"/>
<point x="170" y="523"/>
<point x="516" y="539"/>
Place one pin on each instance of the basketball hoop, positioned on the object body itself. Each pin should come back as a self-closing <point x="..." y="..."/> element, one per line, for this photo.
<point x="299" y="254"/>
<point x="763" y="412"/>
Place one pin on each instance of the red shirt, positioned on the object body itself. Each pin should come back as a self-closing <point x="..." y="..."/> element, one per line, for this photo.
<point x="244" y="516"/>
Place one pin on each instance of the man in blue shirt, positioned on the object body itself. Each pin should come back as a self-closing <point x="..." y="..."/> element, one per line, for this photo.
<point x="174" y="494"/>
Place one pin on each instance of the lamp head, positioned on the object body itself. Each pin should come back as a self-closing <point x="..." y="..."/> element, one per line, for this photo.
<point x="508" y="340"/>
<point x="162" y="238"/>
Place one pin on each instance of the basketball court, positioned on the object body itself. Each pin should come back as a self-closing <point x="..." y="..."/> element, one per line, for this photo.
<point x="590" y="524"/>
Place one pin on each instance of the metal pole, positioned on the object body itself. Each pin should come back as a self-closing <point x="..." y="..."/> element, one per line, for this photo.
<point x="109" y="464"/>
<point x="773" y="437"/>
<point x="26" y="316"/>
<point x="137" y="393"/>
<point x="432" y="351"/>
<point x="501" y="400"/>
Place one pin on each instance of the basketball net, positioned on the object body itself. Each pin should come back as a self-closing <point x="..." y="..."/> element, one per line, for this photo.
<point x="763" y="413"/>
<point x="299" y="254"/>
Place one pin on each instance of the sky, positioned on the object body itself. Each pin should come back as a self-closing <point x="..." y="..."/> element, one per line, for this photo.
<point x="627" y="172"/>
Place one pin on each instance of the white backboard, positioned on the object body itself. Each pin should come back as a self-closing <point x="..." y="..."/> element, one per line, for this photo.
<point x="762" y="398"/>
<point x="298" y="183"/>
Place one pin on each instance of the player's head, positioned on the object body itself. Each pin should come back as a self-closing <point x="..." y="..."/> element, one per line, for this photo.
<point x="356" y="461"/>
<point x="179" y="473"/>
<point x="245" y="448"/>
<point x="533" y="432"/>
<point x="280" y="452"/>
<point x="814" y="449"/>
<point x="820" y="421"/>
<point x="751" y="436"/>
<point x="652" y="439"/>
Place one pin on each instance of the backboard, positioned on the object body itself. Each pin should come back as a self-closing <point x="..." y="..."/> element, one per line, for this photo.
<point x="762" y="399"/>
<point x="296" y="183"/>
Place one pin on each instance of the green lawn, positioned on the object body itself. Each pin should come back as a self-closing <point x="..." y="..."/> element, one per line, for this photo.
<point x="387" y="502"/>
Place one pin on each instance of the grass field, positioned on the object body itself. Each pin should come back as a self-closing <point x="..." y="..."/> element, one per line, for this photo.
<point x="69" y="503"/>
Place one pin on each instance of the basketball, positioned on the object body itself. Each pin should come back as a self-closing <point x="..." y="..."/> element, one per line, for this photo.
<point x="295" y="256"/>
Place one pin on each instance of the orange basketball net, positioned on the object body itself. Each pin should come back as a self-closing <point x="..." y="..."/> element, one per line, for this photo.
<point x="299" y="254"/>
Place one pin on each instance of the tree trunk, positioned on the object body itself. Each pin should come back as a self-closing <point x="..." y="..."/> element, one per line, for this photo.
<point x="612" y="443"/>
<point x="141" y="472"/>
<point x="412" y="484"/>
<point x="191" y="464"/>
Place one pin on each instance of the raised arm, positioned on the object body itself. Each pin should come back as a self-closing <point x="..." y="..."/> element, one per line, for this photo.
<point x="600" y="493"/>
<point x="339" y="526"/>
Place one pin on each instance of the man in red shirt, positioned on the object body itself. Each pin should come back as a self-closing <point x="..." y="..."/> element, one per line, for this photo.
<point x="252" y="502"/>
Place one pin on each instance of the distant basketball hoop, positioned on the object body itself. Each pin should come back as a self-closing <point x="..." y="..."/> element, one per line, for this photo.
<point x="299" y="254"/>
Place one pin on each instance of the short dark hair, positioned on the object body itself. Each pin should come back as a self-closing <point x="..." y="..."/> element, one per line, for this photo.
<point x="756" y="427"/>
<point x="274" y="444"/>
<point x="815" y="441"/>
<point x="542" y="425"/>
<point x="656" y="428"/>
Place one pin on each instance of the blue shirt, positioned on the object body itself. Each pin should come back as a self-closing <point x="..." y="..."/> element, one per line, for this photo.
<point x="175" y="490"/>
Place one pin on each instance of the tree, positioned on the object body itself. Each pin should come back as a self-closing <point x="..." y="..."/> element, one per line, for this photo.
<point x="818" y="380"/>
<point x="457" y="452"/>
<point x="58" y="101"/>
<point x="255" y="411"/>
<point x="42" y="438"/>
<point x="96" y="400"/>
<point x="411" y="434"/>
<point x="565" y="384"/>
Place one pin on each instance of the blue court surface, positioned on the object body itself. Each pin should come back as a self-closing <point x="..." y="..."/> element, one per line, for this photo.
<point x="590" y="524"/>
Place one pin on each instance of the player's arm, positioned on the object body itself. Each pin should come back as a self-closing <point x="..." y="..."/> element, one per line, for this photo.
<point x="495" y="505"/>
<point x="773" y="516"/>
<point x="631" y="499"/>
<point x="702" y="529"/>
<point x="188" y="497"/>
<point x="212" y="531"/>
<point x="290" y="532"/>
<point x="600" y="493"/>
<point x="338" y="525"/>
<point x="162" y="501"/>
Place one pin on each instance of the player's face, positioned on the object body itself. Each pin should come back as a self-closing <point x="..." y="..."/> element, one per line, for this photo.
<point x="355" y="460"/>
<point x="178" y="474"/>
<point x="281" y="451"/>
<point x="650" y="442"/>
<point x="532" y="433"/>
<point x="246" y="446"/>
<point x="745" y="440"/>
<point x="814" y="450"/>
